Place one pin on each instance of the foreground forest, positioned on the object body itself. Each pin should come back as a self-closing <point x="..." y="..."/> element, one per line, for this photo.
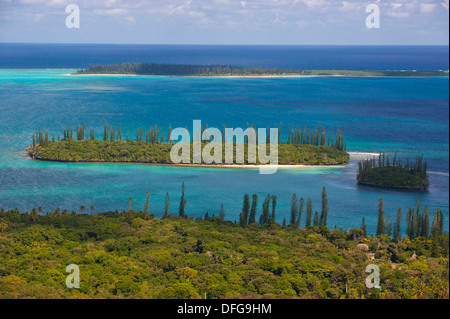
<point x="134" y="255"/>
<point x="227" y="70"/>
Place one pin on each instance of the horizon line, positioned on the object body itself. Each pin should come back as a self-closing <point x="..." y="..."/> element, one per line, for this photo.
<point x="225" y="44"/>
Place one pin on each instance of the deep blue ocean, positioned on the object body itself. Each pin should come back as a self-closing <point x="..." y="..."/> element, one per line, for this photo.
<point x="21" y="56"/>
<point x="407" y="115"/>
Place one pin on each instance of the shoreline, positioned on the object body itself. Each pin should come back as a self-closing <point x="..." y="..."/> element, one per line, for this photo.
<point x="205" y="76"/>
<point x="393" y="187"/>
<point x="28" y="156"/>
<point x="259" y="76"/>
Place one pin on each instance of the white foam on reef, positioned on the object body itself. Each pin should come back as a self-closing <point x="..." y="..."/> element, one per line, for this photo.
<point x="438" y="173"/>
<point x="25" y="154"/>
<point x="363" y="155"/>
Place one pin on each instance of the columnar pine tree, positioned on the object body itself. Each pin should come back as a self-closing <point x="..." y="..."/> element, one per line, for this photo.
<point x="293" y="210"/>
<point x="388" y="226"/>
<point x="308" y="212"/>
<point x="425" y="223"/>
<point x="441" y="223"/>
<point x="435" y="235"/>
<point x="147" y="201"/>
<point x="408" y="223"/>
<point x="414" y="224"/>
<point x="417" y="223"/>
<point x="252" y="217"/>
<point x="324" y="213"/>
<point x="316" y="219"/>
<point x="130" y="204"/>
<point x="222" y="212"/>
<point x="166" y="206"/>
<point x="364" y="227"/>
<point x="245" y="211"/>
<point x="169" y="133"/>
<point x="182" y="203"/>
<point x="119" y="134"/>
<point x="300" y="211"/>
<point x="274" y="206"/>
<point x="418" y="206"/>
<point x="34" y="215"/>
<point x="381" y="218"/>
<point x="398" y="235"/>
<point x="264" y="220"/>
<point x="105" y="133"/>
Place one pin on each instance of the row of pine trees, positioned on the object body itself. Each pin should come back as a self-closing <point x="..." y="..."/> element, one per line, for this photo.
<point x="185" y="70"/>
<point x="248" y="214"/>
<point x="366" y="166"/>
<point x="155" y="135"/>
<point x="418" y="223"/>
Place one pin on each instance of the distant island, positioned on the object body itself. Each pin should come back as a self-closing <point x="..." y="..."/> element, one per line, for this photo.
<point x="234" y="71"/>
<point x="411" y="175"/>
<point x="303" y="147"/>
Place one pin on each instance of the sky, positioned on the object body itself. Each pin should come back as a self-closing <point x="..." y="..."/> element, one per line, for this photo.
<point x="270" y="22"/>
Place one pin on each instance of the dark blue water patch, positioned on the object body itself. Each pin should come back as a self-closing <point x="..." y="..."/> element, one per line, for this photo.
<point x="37" y="178"/>
<point x="19" y="55"/>
<point x="432" y="110"/>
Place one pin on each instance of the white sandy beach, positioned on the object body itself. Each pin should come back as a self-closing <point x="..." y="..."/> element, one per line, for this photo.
<point x="207" y="76"/>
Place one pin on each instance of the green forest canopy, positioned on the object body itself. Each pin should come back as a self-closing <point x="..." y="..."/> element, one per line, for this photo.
<point x="226" y="70"/>
<point x="307" y="146"/>
<point x="384" y="173"/>
<point x="134" y="255"/>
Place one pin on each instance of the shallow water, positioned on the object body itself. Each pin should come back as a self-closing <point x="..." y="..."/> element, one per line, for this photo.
<point x="407" y="115"/>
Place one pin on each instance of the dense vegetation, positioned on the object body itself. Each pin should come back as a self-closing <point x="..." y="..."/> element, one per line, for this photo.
<point x="311" y="147"/>
<point x="226" y="70"/>
<point x="383" y="173"/>
<point x="375" y="73"/>
<point x="134" y="255"/>
<point x="185" y="70"/>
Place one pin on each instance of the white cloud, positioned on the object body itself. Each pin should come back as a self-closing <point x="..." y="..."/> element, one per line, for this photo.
<point x="325" y="17"/>
<point x="427" y="7"/>
<point x="110" y="11"/>
<point x="111" y="3"/>
<point x="313" y="3"/>
<point x="53" y="3"/>
<point x="349" y="7"/>
<point x="38" y="17"/>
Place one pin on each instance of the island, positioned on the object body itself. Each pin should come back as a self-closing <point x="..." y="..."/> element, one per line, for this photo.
<point x="235" y="71"/>
<point x="383" y="173"/>
<point x="303" y="147"/>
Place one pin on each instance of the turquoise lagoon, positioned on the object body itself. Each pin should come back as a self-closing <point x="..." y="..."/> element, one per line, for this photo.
<point x="407" y="115"/>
